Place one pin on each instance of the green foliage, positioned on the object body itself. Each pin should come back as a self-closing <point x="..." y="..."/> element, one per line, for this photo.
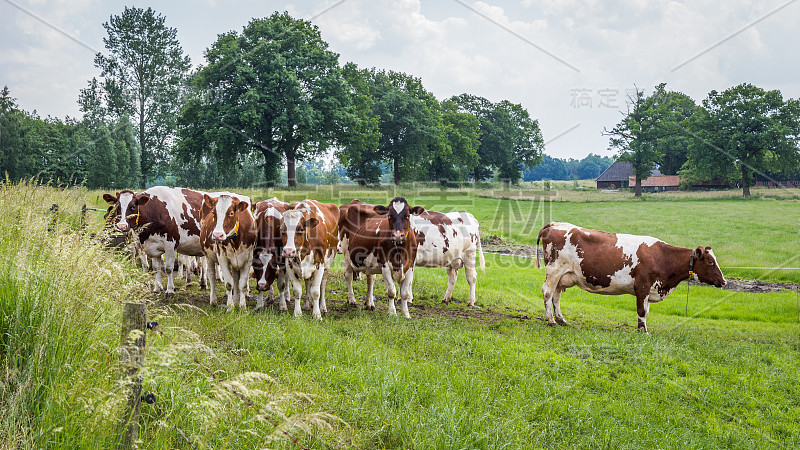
<point x="741" y="131"/>
<point x="509" y="139"/>
<point x="144" y="73"/>
<point x="359" y="149"/>
<point x="274" y="89"/>
<point x="648" y="131"/>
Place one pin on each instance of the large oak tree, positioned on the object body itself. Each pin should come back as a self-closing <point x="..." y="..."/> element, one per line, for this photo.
<point x="274" y="89"/>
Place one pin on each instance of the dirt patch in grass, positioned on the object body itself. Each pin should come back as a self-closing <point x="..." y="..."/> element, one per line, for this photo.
<point x="339" y="307"/>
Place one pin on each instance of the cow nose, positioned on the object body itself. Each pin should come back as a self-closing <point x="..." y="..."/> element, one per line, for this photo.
<point x="217" y="236"/>
<point x="262" y="285"/>
<point x="122" y="227"/>
<point x="288" y="252"/>
<point x="397" y="235"/>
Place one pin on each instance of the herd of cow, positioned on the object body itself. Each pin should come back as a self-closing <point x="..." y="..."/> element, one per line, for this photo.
<point x="291" y="244"/>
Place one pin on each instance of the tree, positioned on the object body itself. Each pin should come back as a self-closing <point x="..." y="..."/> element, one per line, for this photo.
<point x="274" y="89"/>
<point x="509" y="139"/>
<point x="144" y="73"/>
<point x="741" y="131"/>
<point x="359" y="149"/>
<point x="408" y="122"/>
<point x="648" y="121"/>
<point x="458" y="155"/>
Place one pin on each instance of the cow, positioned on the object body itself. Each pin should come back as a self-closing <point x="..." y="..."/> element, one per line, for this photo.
<point x="268" y="260"/>
<point x="385" y="244"/>
<point x="167" y="221"/>
<point x="449" y="241"/>
<point x="228" y="237"/>
<point x="310" y="237"/>
<point x="614" y="264"/>
<point x="348" y="226"/>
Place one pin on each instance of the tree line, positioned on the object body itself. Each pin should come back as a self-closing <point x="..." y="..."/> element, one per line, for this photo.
<point x="268" y="97"/>
<point x="733" y="136"/>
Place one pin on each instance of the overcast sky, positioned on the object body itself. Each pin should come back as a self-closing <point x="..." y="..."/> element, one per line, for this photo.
<point x="569" y="63"/>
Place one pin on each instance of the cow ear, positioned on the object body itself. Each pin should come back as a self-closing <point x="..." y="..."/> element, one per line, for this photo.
<point x="698" y="253"/>
<point x="417" y="210"/>
<point x="241" y="206"/>
<point x="312" y="222"/>
<point x="380" y="209"/>
<point x="292" y="205"/>
<point x="110" y="199"/>
<point x="208" y="205"/>
<point x="142" y="199"/>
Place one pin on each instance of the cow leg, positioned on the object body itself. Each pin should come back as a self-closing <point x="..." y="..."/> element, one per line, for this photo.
<point x="548" y="291"/>
<point x="307" y="303"/>
<point x="314" y="285"/>
<point x="557" y="306"/>
<point x="370" y="302"/>
<point x="348" y="277"/>
<point x="244" y="278"/>
<point x="227" y="278"/>
<point x="322" y="305"/>
<point x="169" y="267"/>
<point x="642" y="308"/>
<point x="472" y="278"/>
<point x="391" y="292"/>
<point x="405" y="292"/>
<point x="211" y="270"/>
<point x="452" y="277"/>
<point x="156" y="263"/>
<point x="283" y="289"/>
<point x="297" y="291"/>
<point x="201" y="264"/>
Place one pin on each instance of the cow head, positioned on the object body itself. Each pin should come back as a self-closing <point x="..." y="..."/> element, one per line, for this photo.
<point x="263" y="261"/>
<point x="224" y="212"/>
<point x="399" y="214"/>
<point x="706" y="268"/>
<point x="125" y="214"/>
<point x="294" y="231"/>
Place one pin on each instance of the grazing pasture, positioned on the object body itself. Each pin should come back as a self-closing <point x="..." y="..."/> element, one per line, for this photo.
<point x="723" y="375"/>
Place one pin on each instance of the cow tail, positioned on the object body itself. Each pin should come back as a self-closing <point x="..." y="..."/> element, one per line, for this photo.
<point x="481" y="261"/>
<point x="538" y="266"/>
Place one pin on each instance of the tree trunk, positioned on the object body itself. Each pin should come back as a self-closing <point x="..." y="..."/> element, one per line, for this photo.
<point x="396" y="168"/>
<point x="290" y="169"/>
<point x="142" y="158"/>
<point x="638" y="189"/>
<point x="745" y="181"/>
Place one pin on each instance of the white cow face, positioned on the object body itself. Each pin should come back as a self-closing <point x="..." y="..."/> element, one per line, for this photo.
<point x="126" y="209"/>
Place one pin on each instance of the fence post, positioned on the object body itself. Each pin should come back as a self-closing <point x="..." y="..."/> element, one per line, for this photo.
<point x="134" y="325"/>
<point x="83" y="217"/>
<point x="54" y="225"/>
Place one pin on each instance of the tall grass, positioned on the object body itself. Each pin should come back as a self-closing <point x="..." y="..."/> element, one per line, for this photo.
<point x="60" y="297"/>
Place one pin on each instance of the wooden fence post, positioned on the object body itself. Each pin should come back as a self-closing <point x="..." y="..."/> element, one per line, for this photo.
<point x="134" y="328"/>
<point x="83" y="217"/>
<point x="54" y="225"/>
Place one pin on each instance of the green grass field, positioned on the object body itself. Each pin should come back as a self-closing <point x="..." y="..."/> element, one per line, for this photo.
<point x="722" y="376"/>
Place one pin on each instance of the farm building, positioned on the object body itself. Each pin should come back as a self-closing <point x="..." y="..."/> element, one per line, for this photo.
<point x="657" y="183"/>
<point x="618" y="176"/>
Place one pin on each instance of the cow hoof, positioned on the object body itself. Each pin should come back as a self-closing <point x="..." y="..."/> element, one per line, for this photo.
<point x="169" y="294"/>
<point x="562" y="322"/>
<point x="551" y="324"/>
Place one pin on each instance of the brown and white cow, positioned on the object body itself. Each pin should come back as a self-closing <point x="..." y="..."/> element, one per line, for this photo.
<point x="385" y="244"/>
<point x="167" y="221"/>
<point x="349" y="223"/>
<point x="228" y="237"/>
<point x="268" y="261"/>
<point x="449" y="241"/>
<point x="615" y="263"/>
<point x="310" y="237"/>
